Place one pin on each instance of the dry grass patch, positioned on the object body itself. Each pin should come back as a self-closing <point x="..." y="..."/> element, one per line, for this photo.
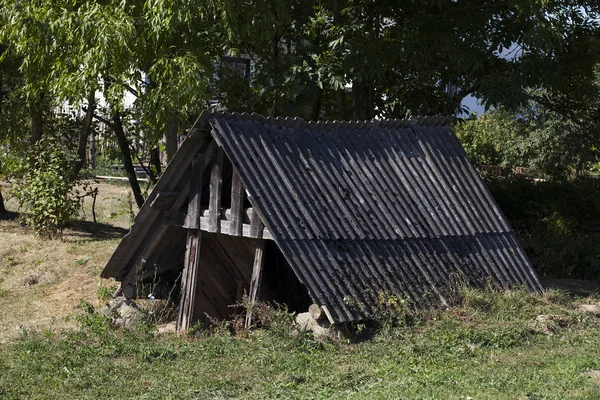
<point x="42" y="281"/>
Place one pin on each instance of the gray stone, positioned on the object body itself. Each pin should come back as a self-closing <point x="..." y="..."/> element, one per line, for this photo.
<point x="320" y="329"/>
<point x="169" y="328"/>
<point x="124" y="313"/>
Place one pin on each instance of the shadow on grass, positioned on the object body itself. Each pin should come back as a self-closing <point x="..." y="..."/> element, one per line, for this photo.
<point x="575" y="287"/>
<point x="82" y="230"/>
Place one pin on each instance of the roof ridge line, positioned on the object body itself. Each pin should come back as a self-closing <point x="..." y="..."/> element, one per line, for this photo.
<point x="297" y="122"/>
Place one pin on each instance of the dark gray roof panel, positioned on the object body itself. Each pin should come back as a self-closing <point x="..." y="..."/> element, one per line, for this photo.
<point x="364" y="208"/>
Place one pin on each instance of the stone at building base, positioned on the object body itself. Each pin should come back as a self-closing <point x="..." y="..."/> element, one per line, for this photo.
<point x="321" y="329"/>
<point x="124" y="313"/>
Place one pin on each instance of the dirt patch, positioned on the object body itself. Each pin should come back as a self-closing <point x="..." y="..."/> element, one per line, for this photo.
<point x="593" y="374"/>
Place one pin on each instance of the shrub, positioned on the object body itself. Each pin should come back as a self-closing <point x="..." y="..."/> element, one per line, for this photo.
<point x="43" y="187"/>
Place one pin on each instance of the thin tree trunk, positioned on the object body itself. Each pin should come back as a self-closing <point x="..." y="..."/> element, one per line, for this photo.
<point x="36" y="119"/>
<point x="275" y="48"/>
<point x="83" y="136"/>
<point x="171" y="139"/>
<point x="93" y="149"/>
<point x="155" y="167"/>
<point x="315" y="112"/>
<point x="127" y="163"/>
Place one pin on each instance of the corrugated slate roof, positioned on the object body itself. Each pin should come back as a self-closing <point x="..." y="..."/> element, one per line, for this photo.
<point x="370" y="208"/>
<point x="359" y="209"/>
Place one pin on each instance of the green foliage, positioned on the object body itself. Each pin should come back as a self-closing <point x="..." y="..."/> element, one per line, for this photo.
<point x="387" y="51"/>
<point x="483" y="137"/>
<point x="43" y="188"/>
<point x="556" y="222"/>
<point x="105" y="293"/>
<point x="551" y="145"/>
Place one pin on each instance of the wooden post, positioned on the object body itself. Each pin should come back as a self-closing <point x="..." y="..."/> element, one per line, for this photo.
<point x="237" y="205"/>
<point x="216" y="183"/>
<point x="192" y="253"/>
<point x="256" y="280"/>
<point x="256" y="225"/>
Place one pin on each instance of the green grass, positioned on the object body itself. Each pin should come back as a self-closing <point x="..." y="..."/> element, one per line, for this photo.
<point x="488" y="348"/>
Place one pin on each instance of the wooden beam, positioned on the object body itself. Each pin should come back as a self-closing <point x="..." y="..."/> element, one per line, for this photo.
<point x="178" y="220"/>
<point x="192" y="253"/>
<point x="181" y="220"/>
<point x="256" y="280"/>
<point x="216" y="183"/>
<point x="245" y="215"/>
<point x="237" y="205"/>
<point x="164" y="200"/>
<point x="256" y="225"/>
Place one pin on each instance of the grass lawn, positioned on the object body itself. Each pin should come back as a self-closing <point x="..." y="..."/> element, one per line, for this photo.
<point x="490" y="346"/>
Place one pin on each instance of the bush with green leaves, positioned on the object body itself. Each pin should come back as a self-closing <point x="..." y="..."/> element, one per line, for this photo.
<point x="43" y="187"/>
<point x="551" y="145"/>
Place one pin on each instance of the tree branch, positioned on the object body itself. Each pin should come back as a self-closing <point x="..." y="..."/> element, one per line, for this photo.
<point x="101" y="119"/>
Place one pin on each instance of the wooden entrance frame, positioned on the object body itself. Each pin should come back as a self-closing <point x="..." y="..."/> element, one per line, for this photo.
<point x="217" y="220"/>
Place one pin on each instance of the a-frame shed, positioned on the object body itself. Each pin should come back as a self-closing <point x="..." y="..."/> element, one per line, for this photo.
<point x="332" y="213"/>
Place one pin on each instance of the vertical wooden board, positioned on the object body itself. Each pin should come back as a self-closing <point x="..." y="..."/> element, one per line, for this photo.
<point x="237" y="204"/>
<point x="188" y="281"/>
<point x="257" y="272"/>
<point x="216" y="183"/>
<point x="192" y="256"/>
<point x="195" y="193"/>
<point x="256" y="225"/>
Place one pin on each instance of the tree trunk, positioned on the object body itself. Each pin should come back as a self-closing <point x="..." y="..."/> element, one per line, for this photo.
<point x="315" y="111"/>
<point x="275" y="77"/>
<point x="83" y="136"/>
<point x="36" y="119"/>
<point x="93" y="149"/>
<point x="171" y="139"/>
<point x="127" y="164"/>
<point x="340" y="98"/>
<point x="155" y="167"/>
<point x="363" y="105"/>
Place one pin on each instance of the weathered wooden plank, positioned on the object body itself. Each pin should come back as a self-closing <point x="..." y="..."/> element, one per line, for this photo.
<point x="164" y="200"/>
<point x="189" y="280"/>
<point x="128" y="252"/>
<point x="192" y="256"/>
<point x="216" y="184"/>
<point x="181" y="220"/>
<point x="195" y="195"/>
<point x="256" y="225"/>
<point x="237" y="204"/>
<point x="257" y="273"/>
<point x="245" y="215"/>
